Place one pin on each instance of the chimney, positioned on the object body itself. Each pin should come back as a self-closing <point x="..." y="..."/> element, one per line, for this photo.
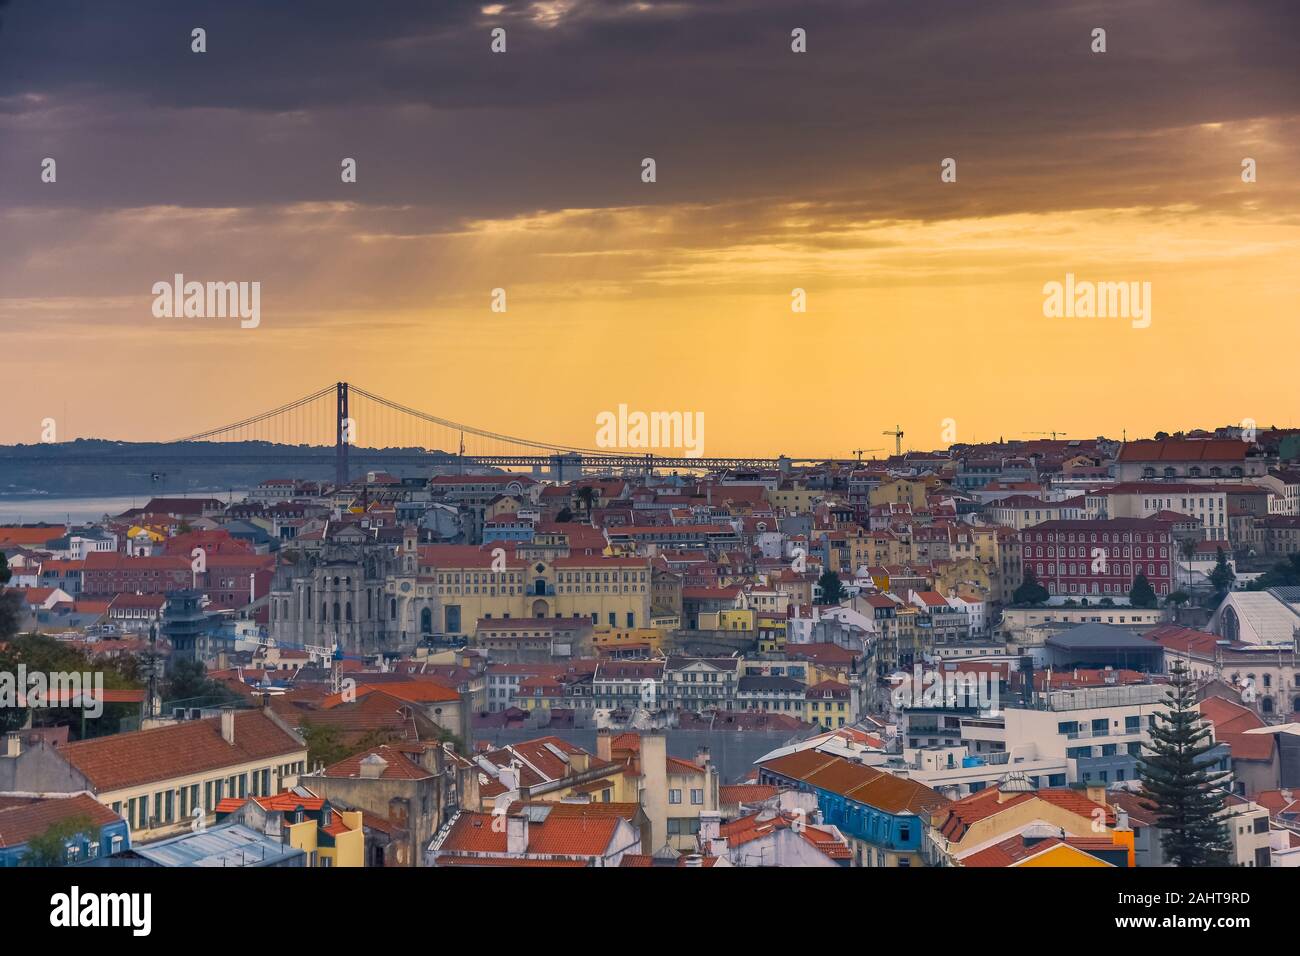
<point x="701" y="756"/>
<point x="517" y="835"/>
<point x="710" y="827"/>
<point x="1123" y="836"/>
<point x="579" y="762"/>
<point x="372" y="767"/>
<point x="604" y="740"/>
<point x="13" y="744"/>
<point x="1097" y="794"/>
<point x="228" y="725"/>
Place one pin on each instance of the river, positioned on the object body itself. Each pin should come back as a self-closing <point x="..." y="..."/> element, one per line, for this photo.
<point x="79" y="510"/>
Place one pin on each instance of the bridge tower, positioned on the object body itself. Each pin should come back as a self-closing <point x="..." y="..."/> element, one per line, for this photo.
<point x="342" y="436"/>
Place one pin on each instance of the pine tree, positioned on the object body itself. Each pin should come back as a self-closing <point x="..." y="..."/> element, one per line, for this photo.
<point x="1221" y="577"/>
<point x="1142" y="595"/>
<point x="1181" y="786"/>
<point x="1030" y="591"/>
<point x="831" y="587"/>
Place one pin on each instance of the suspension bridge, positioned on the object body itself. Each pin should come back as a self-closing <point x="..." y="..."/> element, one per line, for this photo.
<point x="355" y="429"/>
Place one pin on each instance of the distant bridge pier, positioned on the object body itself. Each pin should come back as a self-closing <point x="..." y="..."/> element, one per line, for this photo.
<point x="566" y="467"/>
<point x="342" y="435"/>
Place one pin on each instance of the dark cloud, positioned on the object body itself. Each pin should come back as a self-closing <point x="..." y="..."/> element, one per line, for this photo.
<point x="710" y="89"/>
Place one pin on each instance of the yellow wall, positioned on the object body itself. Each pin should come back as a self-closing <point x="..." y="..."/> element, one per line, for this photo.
<point x="1062" y="855"/>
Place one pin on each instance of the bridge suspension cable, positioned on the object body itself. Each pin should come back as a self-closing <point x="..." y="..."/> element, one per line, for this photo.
<point x="280" y="415"/>
<point x="257" y="419"/>
<point x="470" y="429"/>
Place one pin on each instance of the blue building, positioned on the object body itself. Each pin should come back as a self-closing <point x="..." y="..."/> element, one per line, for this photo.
<point x="883" y="816"/>
<point x="105" y="832"/>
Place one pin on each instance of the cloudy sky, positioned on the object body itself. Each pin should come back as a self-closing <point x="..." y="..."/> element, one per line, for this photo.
<point x="776" y="170"/>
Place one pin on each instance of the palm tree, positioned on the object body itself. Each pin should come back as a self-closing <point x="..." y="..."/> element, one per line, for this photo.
<point x="1188" y="550"/>
<point x="587" y="495"/>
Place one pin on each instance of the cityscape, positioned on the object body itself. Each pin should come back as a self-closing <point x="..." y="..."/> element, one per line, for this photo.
<point x="587" y="434"/>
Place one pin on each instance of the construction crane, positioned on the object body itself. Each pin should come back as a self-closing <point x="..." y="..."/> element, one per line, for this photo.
<point x="898" y="439"/>
<point x="859" y="451"/>
<point x="1053" y="434"/>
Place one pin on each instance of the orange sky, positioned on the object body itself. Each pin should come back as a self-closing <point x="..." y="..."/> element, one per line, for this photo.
<point x="924" y="298"/>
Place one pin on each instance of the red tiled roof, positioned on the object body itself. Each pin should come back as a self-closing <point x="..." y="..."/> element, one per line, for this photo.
<point x="746" y="793"/>
<point x="1231" y="721"/>
<point x="23" y="822"/>
<point x="962" y="814"/>
<point x="180" y="750"/>
<point x="562" y="835"/>
<point x="400" y="767"/>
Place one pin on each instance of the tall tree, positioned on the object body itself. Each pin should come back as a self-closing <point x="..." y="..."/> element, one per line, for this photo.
<point x="1142" y="593"/>
<point x="1030" y="591"/>
<point x="1188" y="550"/>
<point x="1222" y="576"/>
<point x="1181" y="786"/>
<point x="831" y="587"/>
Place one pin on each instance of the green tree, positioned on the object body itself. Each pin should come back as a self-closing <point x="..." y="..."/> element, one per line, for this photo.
<point x="1221" y="577"/>
<point x="565" y="515"/>
<point x="188" y="680"/>
<point x="326" y="745"/>
<point x="42" y="654"/>
<point x="1181" y="786"/>
<point x="587" y="495"/>
<point x="831" y="587"/>
<point x="1030" y="591"/>
<point x="1178" y="598"/>
<point x="1283" y="574"/>
<point x="50" y="848"/>
<point x="1142" y="594"/>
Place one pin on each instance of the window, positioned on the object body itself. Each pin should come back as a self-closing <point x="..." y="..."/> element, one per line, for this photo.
<point x="697" y="797"/>
<point x="674" y="796"/>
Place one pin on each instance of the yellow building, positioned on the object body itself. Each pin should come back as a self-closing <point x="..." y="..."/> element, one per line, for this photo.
<point x="794" y="497"/>
<point x="901" y="491"/>
<point x="447" y="589"/>
<point x="605" y="636"/>
<point x="983" y="819"/>
<point x="329" y="836"/>
<point x="771" y="633"/>
<point x="730" y="619"/>
<point x="158" y="778"/>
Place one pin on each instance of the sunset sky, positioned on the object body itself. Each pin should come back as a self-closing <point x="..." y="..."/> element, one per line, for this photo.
<point x="775" y="170"/>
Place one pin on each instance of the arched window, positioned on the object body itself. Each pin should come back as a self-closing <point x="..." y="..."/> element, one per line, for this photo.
<point x="426" y="621"/>
<point x="336" y="611"/>
<point x="324" y="611"/>
<point x="347" y="610"/>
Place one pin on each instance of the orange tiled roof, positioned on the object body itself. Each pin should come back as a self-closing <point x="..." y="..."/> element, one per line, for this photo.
<point x="180" y="750"/>
<point x="23" y="822"/>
